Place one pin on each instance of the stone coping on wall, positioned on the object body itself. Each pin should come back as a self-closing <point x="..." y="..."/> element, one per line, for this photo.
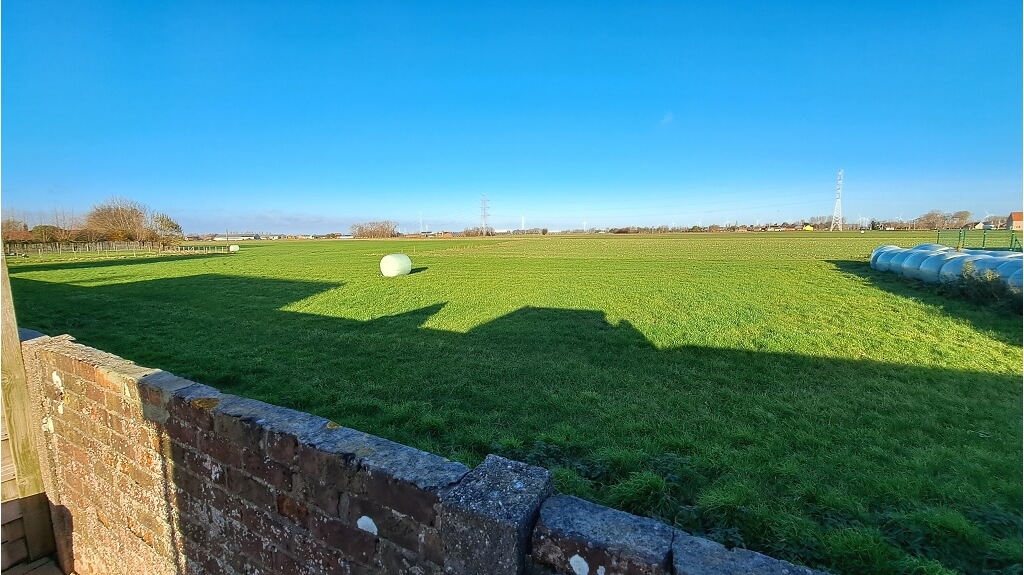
<point x="282" y="491"/>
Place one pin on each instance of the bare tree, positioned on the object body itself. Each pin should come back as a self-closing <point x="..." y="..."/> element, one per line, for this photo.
<point x="934" y="220"/>
<point x="66" y="223"/>
<point x="961" y="218"/>
<point x="119" y="219"/>
<point x="382" y="229"/>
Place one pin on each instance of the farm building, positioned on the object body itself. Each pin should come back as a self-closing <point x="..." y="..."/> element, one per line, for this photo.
<point x="1015" y="221"/>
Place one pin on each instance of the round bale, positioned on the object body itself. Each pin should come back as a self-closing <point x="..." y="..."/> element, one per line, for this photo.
<point x="912" y="265"/>
<point x="233" y="248"/>
<point x="879" y="251"/>
<point x="1007" y="268"/>
<point x="896" y="262"/>
<point x="929" y="269"/>
<point x="394" y="265"/>
<point x="953" y="270"/>
<point x="1016" y="280"/>
<point x="883" y="259"/>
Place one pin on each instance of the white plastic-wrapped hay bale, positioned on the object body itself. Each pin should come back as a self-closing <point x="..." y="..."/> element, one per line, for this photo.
<point x="980" y="268"/>
<point x="912" y="265"/>
<point x="879" y="251"/>
<point x="896" y="263"/>
<point x="929" y="269"/>
<point x="954" y="268"/>
<point x="883" y="259"/>
<point x="1016" y="281"/>
<point x="1009" y="267"/>
<point x="394" y="265"/>
<point x="233" y="248"/>
<point x="931" y="247"/>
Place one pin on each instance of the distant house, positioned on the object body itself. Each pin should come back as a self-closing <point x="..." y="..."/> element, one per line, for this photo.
<point x="235" y="237"/>
<point x="808" y="228"/>
<point x="1015" y="221"/>
<point x="17" y="236"/>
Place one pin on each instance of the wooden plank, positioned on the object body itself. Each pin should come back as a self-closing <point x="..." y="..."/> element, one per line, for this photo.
<point x="17" y="411"/>
<point x="21" y="429"/>
<point x="12" y="531"/>
<point x="26" y="568"/>
<point x="8" y="490"/>
<point x="7" y="471"/>
<point x="48" y="568"/>
<point x="10" y="510"/>
<point x="12" y="553"/>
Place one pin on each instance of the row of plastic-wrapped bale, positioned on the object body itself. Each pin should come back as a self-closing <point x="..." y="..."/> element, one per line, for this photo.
<point x="937" y="263"/>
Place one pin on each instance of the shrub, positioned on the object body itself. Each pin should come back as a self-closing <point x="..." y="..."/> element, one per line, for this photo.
<point x="987" y="288"/>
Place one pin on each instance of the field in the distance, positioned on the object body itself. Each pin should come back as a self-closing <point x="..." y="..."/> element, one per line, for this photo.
<point x="767" y="390"/>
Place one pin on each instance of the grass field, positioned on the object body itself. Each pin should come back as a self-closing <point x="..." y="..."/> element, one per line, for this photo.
<point x="769" y="390"/>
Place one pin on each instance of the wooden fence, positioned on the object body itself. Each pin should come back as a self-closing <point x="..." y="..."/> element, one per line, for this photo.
<point x="110" y="248"/>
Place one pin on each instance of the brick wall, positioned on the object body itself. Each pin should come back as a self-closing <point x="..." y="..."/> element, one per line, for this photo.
<point x="152" y="473"/>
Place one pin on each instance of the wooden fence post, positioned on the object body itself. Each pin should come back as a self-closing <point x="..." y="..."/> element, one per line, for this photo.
<point x="22" y="430"/>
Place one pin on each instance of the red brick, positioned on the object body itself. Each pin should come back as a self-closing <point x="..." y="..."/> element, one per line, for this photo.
<point x="243" y="432"/>
<point x="403" y="497"/>
<point x="242" y="485"/>
<point x="403" y="531"/>
<point x="354" y="543"/>
<point x="220" y="450"/>
<point x="281" y="447"/>
<point x="293" y="510"/>
<point x="320" y="558"/>
<point x="142" y="477"/>
<point x="182" y="432"/>
<point x="83" y="369"/>
<point x="267" y="470"/>
<point x="96" y="394"/>
<point x="72" y="383"/>
<point x="325" y="497"/>
<point x="198" y="464"/>
<point x="116" y="423"/>
<point x="266" y="525"/>
<point x="195" y="412"/>
<point x="286" y="564"/>
<point x="151" y="396"/>
<point x="139" y="530"/>
<point x="74" y="401"/>
<point x="110" y="380"/>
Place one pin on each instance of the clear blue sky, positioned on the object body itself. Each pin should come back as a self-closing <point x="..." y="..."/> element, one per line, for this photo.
<point x="309" y="116"/>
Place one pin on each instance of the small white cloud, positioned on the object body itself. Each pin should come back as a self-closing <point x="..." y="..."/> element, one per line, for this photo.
<point x="667" y="119"/>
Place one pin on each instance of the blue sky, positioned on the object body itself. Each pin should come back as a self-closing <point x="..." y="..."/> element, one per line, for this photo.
<point x="309" y="116"/>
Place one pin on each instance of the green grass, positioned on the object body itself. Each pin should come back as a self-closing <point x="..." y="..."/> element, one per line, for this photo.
<point x="766" y="390"/>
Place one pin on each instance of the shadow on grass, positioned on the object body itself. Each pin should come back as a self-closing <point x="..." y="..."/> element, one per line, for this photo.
<point x="99" y="262"/>
<point x="979" y="315"/>
<point x="778" y="452"/>
<point x="418" y="270"/>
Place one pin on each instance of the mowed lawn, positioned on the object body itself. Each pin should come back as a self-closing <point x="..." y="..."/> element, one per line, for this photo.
<point x="766" y="390"/>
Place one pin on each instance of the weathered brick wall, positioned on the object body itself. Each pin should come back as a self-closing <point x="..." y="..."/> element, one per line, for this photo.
<point x="152" y="473"/>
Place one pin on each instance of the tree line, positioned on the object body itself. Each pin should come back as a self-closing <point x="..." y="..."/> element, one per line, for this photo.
<point x="381" y="229"/>
<point x="114" y="220"/>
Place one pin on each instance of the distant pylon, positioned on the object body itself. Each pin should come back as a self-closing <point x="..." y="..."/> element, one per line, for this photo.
<point x="483" y="215"/>
<point x="837" y="214"/>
